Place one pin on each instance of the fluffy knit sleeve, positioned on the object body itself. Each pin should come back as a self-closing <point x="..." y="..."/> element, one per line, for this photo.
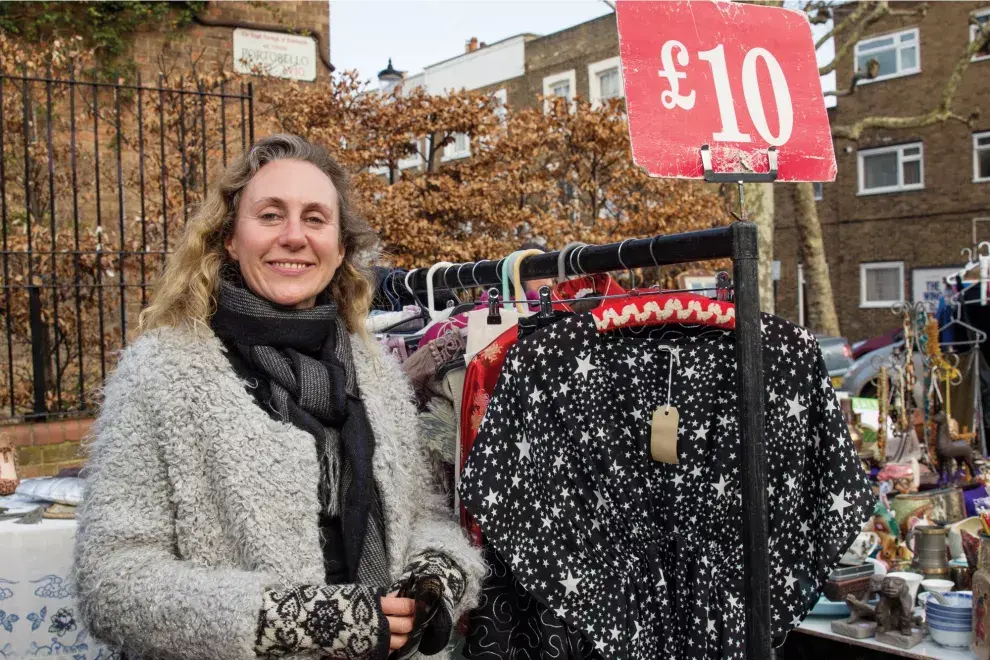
<point x="134" y="592"/>
<point x="435" y="529"/>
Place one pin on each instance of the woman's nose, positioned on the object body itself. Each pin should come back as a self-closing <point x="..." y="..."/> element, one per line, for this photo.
<point x="292" y="235"/>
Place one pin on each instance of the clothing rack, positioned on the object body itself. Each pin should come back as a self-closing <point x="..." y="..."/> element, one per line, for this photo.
<point x="739" y="243"/>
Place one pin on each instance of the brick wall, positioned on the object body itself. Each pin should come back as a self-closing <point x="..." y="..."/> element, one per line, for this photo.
<point x="45" y="448"/>
<point x="215" y="45"/>
<point x="923" y="228"/>
<point x="574" y="48"/>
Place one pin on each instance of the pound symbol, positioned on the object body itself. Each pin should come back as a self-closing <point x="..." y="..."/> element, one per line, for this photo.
<point x="671" y="98"/>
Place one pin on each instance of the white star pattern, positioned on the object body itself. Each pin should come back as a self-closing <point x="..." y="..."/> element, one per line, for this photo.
<point x="570" y="584"/>
<point x="587" y="439"/>
<point x="794" y="408"/>
<point x="584" y="366"/>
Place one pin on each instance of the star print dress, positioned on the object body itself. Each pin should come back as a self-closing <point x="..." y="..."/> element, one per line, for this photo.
<point x="645" y="559"/>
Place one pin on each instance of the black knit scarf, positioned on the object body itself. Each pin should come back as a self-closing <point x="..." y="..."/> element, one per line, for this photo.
<point x="304" y="357"/>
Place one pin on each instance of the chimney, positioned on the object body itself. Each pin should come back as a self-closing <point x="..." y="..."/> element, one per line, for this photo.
<point x="471" y="45"/>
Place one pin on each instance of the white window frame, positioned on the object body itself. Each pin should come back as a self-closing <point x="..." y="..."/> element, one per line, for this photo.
<point x="901" y="186"/>
<point x="819" y="189"/>
<point x="502" y="97"/>
<point x="416" y="160"/>
<point x="976" y="161"/>
<point x="594" y="88"/>
<point x="879" y="265"/>
<point x="551" y="80"/>
<point x="451" y="152"/>
<point x="982" y="13"/>
<point x="901" y="72"/>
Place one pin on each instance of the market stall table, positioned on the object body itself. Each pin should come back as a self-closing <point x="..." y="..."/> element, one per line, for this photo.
<point x="39" y="615"/>
<point x="818" y="626"/>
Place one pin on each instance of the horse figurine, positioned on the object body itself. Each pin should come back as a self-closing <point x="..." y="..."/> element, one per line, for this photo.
<point x="946" y="448"/>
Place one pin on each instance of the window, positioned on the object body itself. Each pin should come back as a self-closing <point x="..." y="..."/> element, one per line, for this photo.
<point x="559" y="84"/>
<point x="460" y="147"/>
<point x="982" y="17"/>
<point x="881" y="284"/>
<point x="501" y="98"/>
<point x="561" y="89"/>
<point x="415" y="159"/>
<point x="819" y="190"/>
<point x="605" y="81"/>
<point x="891" y="169"/>
<point x="981" y="157"/>
<point x="898" y="55"/>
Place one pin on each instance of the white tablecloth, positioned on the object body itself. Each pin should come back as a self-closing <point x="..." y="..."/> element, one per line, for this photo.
<point x="39" y="616"/>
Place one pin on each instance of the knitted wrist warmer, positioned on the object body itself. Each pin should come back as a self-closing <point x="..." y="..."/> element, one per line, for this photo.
<point x="435" y="573"/>
<point x="345" y="621"/>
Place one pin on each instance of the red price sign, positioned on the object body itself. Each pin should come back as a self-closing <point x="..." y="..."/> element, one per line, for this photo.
<point x="738" y="78"/>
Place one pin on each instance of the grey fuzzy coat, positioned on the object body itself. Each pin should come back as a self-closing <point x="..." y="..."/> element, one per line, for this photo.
<point x="197" y="500"/>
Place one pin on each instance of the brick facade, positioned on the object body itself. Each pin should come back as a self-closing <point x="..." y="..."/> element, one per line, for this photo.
<point x="571" y="49"/>
<point x="214" y="46"/>
<point x="45" y="448"/>
<point x="923" y="228"/>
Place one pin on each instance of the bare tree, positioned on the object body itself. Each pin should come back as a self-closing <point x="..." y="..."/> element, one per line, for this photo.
<point x="821" y="314"/>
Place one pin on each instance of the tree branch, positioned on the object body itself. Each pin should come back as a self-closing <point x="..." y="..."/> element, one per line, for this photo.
<point x="941" y="113"/>
<point x="854" y="17"/>
<point x="872" y="69"/>
<point x="879" y="11"/>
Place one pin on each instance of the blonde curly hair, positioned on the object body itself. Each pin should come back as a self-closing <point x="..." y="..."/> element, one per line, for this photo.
<point x="185" y="294"/>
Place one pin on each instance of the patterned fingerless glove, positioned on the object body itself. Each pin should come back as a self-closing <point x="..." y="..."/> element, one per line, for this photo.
<point x="345" y="621"/>
<point x="434" y="577"/>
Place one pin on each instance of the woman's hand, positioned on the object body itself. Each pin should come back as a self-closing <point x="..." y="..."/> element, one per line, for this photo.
<point x="400" y="613"/>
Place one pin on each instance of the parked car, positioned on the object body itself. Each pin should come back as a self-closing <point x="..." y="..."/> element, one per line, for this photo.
<point x="864" y="346"/>
<point x="838" y="357"/>
<point x="861" y="379"/>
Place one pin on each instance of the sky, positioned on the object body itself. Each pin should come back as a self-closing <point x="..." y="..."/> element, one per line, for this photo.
<point x="416" y="33"/>
<point x="364" y="34"/>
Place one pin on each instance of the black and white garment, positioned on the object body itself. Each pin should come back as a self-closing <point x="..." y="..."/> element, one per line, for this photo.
<point x="645" y="559"/>
<point x="345" y="621"/>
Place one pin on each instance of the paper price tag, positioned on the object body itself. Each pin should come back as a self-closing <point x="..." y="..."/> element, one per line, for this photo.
<point x="663" y="435"/>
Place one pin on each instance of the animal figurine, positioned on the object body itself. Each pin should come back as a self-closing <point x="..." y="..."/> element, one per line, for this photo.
<point x="946" y="448"/>
<point x="861" y="609"/>
<point x="895" y="611"/>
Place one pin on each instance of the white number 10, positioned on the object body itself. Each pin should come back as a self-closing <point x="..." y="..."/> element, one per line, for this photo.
<point x="751" y="91"/>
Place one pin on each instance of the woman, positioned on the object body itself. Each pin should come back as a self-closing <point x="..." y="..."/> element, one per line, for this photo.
<point x="256" y="485"/>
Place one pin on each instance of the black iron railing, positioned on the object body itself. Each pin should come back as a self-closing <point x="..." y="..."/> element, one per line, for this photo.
<point x="96" y="180"/>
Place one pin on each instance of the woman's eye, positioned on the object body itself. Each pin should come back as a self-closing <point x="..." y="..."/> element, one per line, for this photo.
<point x="270" y="217"/>
<point x="315" y="219"/>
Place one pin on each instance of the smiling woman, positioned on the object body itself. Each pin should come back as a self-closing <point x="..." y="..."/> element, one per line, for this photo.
<point x="256" y="456"/>
<point x="286" y="237"/>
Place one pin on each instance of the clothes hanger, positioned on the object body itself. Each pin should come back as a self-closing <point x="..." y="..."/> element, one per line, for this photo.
<point x="517" y="279"/>
<point x="466" y="306"/>
<point x="561" y="269"/>
<point x="506" y="271"/>
<point x="978" y="335"/>
<point x="430" y="300"/>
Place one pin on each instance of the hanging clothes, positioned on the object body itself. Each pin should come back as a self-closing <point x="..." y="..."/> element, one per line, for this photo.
<point x="485" y="367"/>
<point x="645" y="558"/>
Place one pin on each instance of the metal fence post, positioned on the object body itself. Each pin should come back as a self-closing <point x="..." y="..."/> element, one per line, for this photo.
<point x="39" y="351"/>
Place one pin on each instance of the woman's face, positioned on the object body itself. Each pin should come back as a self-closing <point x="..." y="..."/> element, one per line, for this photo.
<point x="287" y="233"/>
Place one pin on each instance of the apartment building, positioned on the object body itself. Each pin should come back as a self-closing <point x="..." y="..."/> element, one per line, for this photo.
<point x="905" y="201"/>
<point x="581" y="61"/>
